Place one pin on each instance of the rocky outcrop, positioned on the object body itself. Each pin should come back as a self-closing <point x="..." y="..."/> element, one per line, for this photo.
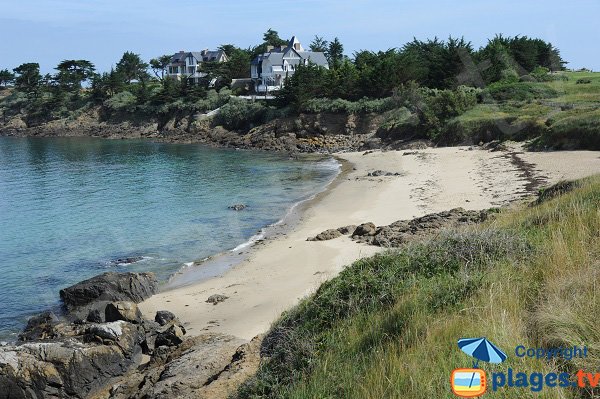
<point x="365" y="229"/>
<point x="326" y="235"/>
<point x="402" y="231"/>
<point x="127" y="311"/>
<point x="130" y="287"/>
<point x="237" y="207"/>
<point x="72" y="367"/>
<point x="69" y="357"/>
<point x="206" y="366"/>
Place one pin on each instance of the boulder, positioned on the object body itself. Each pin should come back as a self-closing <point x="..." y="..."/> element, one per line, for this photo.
<point x="40" y="327"/>
<point x="163" y="317"/>
<point x="127" y="311"/>
<point x="216" y="298"/>
<point x="95" y="316"/>
<point x="365" y="229"/>
<point x="326" y="235"/>
<point x="170" y="335"/>
<point x="69" y="368"/>
<point x="378" y="173"/>
<point x="237" y="207"/>
<point x="347" y="229"/>
<point x="133" y="287"/>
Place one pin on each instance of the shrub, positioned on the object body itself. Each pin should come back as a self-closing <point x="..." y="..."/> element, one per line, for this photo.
<point x="240" y="114"/>
<point x="583" y="81"/>
<point x="340" y="106"/>
<point x="517" y="91"/>
<point x="123" y="101"/>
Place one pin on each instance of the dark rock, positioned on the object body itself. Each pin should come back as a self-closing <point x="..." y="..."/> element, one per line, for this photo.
<point x="40" y="327"/>
<point x="347" y="229"/>
<point x="216" y="298"/>
<point x="128" y="260"/>
<point x="133" y="287"/>
<point x="69" y="368"/>
<point x="163" y="317"/>
<point x="365" y="229"/>
<point x="170" y="335"/>
<point x="237" y="207"/>
<point x="378" y="173"/>
<point x="326" y="235"/>
<point x="403" y="231"/>
<point x="127" y="311"/>
<point x="95" y="316"/>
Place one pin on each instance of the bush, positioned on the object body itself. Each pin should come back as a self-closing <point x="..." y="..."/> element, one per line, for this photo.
<point x="240" y="114"/>
<point x="339" y="106"/>
<point x="583" y="81"/>
<point x="123" y="101"/>
<point x="517" y="91"/>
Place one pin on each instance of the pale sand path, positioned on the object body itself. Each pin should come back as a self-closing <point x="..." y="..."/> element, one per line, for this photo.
<point x="285" y="269"/>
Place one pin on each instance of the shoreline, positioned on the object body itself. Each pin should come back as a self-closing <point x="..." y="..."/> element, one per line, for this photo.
<point x="212" y="266"/>
<point x="279" y="272"/>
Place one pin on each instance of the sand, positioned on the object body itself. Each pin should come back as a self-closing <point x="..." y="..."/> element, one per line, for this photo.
<point x="276" y="274"/>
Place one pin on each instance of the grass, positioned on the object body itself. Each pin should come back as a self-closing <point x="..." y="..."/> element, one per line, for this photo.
<point x="559" y="114"/>
<point x="387" y="326"/>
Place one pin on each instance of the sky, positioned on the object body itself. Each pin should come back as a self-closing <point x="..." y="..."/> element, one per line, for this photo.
<point x="49" y="31"/>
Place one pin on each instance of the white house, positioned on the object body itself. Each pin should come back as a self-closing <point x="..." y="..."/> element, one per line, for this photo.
<point x="269" y="70"/>
<point x="186" y="65"/>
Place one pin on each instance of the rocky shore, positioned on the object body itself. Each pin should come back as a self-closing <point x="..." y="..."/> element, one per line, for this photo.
<point x="102" y="347"/>
<point x="322" y="133"/>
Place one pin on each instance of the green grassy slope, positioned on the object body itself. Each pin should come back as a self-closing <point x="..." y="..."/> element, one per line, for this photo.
<point x="561" y="114"/>
<point x="387" y="327"/>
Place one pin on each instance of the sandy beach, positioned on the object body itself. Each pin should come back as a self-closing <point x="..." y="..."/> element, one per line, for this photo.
<point x="280" y="271"/>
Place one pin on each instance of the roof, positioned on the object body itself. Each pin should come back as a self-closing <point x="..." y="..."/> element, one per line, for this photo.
<point x="316" y="57"/>
<point x="276" y="55"/>
<point x="212" y="55"/>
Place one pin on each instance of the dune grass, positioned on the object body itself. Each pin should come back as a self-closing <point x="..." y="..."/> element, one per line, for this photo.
<point x="387" y="326"/>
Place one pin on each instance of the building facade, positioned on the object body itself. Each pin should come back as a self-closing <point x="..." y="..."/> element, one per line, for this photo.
<point x="186" y="65"/>
<point x="269" y="70"/>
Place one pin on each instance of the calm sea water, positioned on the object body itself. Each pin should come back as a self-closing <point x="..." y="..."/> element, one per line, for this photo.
<point x="69" y="208"/>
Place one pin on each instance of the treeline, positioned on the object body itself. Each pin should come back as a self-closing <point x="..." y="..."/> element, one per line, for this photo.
<point x="424" y="77"/>
<point x="435" y="64"/>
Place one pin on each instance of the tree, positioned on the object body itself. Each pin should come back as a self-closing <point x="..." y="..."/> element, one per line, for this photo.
<point x="228" y="49"/>
<point x="28" y="77"/>
<point x="107" y="85"/>
<point x="271" y="38"/>
<point x="159" y="65"/>
<point x="6" y="77"/>
<point x="72" y="73"/>
<point x="335" y="53"/>
<point x="132" y="67"/>
<point x="319" y="44"/>
<point x="238" y="65"/>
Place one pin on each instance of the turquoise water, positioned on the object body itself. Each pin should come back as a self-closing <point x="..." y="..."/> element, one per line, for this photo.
<point x="69" y="208"/>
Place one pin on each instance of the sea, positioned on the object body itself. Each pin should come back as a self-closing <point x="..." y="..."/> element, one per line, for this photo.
<point x="72" y="208"/>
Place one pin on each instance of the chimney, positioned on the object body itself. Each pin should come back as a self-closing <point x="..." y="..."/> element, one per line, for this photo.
<point x="270" y="48"/>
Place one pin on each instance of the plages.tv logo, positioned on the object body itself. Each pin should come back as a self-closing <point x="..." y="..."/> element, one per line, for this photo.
<point x="471" y="382"/>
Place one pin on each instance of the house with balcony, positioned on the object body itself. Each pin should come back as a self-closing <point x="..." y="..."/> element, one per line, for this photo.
<point x="269" y="70"/>
<point x="186" y="64"/>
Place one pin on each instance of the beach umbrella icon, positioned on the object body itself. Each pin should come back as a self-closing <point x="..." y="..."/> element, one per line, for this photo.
<point x="482" y="350"/>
